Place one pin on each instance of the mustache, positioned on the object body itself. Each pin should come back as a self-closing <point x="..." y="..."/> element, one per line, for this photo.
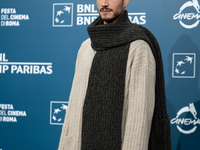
<point x="105" y="9"/>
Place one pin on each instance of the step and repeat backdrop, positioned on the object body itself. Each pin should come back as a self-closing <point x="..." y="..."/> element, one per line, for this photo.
<point x="39" y="41"/>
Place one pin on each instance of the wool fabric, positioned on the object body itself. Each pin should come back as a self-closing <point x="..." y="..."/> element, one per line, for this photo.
<point x="102" y="111"/>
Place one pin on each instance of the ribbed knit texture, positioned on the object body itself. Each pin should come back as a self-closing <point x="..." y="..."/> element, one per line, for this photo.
<point x="138" y="100"/>
<point x="96" y="108"/>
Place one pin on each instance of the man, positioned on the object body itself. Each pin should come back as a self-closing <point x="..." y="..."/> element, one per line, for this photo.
<point x="117" y="99"/>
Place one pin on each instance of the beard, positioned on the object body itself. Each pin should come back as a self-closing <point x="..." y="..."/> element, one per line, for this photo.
<point x="110" y="18"/>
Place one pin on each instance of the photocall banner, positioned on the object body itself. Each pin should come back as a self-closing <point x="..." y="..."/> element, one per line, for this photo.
<point x="39" y="41"/>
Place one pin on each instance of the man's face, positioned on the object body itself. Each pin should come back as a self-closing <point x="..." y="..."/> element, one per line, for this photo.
<point x="111" y="10"/>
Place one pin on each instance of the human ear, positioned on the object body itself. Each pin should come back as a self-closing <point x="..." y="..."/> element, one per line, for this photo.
<point x="126" y="2"/>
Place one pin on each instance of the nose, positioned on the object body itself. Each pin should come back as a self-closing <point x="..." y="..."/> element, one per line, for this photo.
<point x="104" y="3"/>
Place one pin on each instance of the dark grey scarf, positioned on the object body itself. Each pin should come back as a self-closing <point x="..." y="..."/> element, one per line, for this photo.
<point x="103" y="107"/>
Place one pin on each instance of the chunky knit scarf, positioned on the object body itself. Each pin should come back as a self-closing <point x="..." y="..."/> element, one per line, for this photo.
<point x="103" y="107"/>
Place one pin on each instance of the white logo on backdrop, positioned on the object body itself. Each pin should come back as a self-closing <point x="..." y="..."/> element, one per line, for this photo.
<point x="62" y="15"/>
<point x="9" y="17"/>
<point x="57" y="112"/>
<point x="186" y="121"/>
<point x="24" y="67"/>
<point x="188" y="16"/>
<point x="137" y="18"/>
<point x="9" y="114"/>
<point x="183" y="65"/>
<point x="86" y="14"/>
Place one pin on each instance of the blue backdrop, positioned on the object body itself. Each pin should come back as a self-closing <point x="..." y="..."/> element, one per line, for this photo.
<point x="39" y="41"/>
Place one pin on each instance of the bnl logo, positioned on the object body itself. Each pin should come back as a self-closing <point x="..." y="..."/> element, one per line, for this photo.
<point x="57" y="112"/>
<point x="183" y="65"/>
<point x="62" y="15"/>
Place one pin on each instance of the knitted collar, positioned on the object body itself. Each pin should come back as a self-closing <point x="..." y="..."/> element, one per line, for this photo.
<point x="107" y="36"/>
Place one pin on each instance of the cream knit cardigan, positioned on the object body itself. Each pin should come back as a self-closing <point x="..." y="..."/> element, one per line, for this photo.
<point x="139" y="98"/>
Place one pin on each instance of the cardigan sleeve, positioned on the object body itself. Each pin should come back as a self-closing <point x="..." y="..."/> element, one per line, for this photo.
<point x="73" y="93"/>
<point x="65" y="126"/>
<point x="139" y="97"/>
<point x="70" y="135"/>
